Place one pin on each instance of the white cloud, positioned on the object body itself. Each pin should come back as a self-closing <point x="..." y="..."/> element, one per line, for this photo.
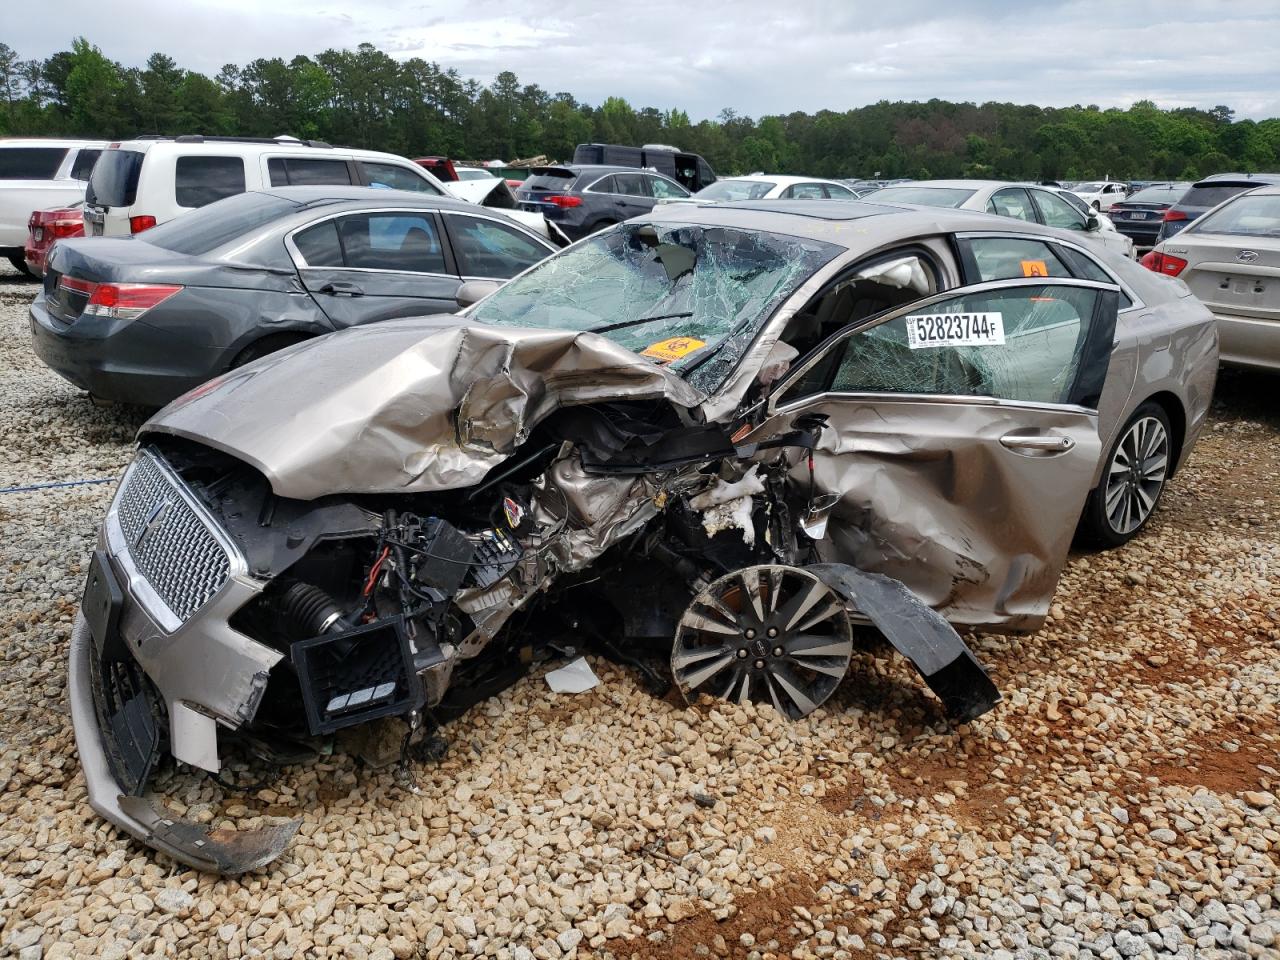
<point x="756" y="56"/>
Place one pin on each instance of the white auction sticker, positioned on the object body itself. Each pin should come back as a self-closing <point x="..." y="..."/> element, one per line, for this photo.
<point x="955" y="330"/>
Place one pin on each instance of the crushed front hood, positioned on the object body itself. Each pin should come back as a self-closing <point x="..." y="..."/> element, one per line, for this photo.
<point x="406" y="405"/>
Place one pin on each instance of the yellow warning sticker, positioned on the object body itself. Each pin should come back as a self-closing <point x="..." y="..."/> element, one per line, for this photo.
<point x="1034" y="268"/>
<point x="672" y="348"/>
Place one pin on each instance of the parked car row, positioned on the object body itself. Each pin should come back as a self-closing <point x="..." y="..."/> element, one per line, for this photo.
<point x="39" y="175"/>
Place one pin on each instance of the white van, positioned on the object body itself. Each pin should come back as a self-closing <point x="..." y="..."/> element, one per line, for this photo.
<point x="37" y="174"/>
<point x="137" y="184"/>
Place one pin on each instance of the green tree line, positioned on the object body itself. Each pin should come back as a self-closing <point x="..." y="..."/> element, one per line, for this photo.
<point x="365" y="98"/>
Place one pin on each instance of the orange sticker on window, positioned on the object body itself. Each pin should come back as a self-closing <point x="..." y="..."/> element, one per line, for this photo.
<point x="1034" y="268"/>
<point x="672" y="348"/>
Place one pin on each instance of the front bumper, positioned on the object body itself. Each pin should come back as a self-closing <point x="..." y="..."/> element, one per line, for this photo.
<point x="152" y="649"/>
<point x="204" y="848"/>
<point x="130" y="362"/>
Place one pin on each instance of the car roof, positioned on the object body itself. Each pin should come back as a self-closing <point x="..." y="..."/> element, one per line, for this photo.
<point x="953" y="184"/>
<point x="369" y="196"/>
<point x="48" y="142"/>
<point x="782" y="178"/>
<point x="230" y="146"/>
<point x="829" y="220"/>
<point x="582" y="169"/>
<point x="1258" y="178"/>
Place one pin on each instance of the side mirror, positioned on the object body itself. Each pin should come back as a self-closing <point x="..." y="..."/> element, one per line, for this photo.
<point x="473" y="291"/>
<point x="1092" y="223"/>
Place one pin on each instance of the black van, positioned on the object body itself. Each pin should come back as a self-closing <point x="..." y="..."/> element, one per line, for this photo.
<point x="688" y="169"/>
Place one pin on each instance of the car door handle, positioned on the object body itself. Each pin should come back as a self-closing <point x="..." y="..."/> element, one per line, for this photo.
<point x="1043" y="444"/>
<point x="341" y="288"/>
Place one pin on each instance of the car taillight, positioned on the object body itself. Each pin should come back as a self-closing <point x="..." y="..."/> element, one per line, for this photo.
<point x="1174" y="215"/>
<point x="1158" y="262"/>
<point x="138" y="224"/>
<point x="119" y="301"/>
<point x="563" y="200"/>
<point x="65" y="228"/>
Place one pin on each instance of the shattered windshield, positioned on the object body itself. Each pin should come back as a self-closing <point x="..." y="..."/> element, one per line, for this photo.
<point x="690" y="297"/>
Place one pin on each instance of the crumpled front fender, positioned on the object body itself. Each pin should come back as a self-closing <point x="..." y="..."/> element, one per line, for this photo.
<point x="920" y="634"/>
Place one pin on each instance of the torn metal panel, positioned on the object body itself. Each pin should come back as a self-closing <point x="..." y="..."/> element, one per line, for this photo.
<point x="928" y="495"/>
<point x="919" y="634"/>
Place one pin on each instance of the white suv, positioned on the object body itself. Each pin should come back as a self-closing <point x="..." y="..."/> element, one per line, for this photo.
<point x="137" y="184"/>
<point x="36" y="175"/>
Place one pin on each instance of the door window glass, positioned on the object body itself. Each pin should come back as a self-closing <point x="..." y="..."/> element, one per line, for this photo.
<point x="1011" y="203"/>
<point x="491" y="250"/>
<point x="406" y="242"/>
<point x="631" y="184"/>
<point x="83" y="164"/>
<point x="300" y="171"/>
<point x="30" y="163"/>
<point x="319" y="245"/>
<point x="199" y="181"/>
<point x="604" y="185"/>
<point x="1058" y="213"/>
<point x="836" y="192"/>
<point x="1008" y="258"/>
<point x="396" y="177"/>
<point x="664" y="189"/>
<point x="1018" y="344"/>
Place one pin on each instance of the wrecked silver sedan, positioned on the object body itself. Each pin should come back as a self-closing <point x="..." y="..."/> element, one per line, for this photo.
<point x="726" y="435"/>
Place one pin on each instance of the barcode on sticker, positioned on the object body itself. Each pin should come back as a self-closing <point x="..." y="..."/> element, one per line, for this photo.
<point x="955" y="330"/>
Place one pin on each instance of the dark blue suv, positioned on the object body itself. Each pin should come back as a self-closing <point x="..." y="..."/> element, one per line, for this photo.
<point x="582" y="199"/>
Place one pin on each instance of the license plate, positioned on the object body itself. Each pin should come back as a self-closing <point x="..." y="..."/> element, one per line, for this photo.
<point x="38" y="233"/>
<point x="1138" y="215"/>
<point x="102" y="602"/>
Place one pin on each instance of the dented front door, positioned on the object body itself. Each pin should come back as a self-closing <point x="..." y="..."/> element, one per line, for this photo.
<point x="961" y="438"/>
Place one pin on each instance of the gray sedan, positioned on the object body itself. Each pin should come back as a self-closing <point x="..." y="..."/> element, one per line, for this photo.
<point x="144" y="319"/>
<point x="1230" y="258"/>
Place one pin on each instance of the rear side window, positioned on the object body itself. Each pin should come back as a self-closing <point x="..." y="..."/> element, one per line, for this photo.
<point x="805" y="191"/>
<point x="30" y="163"/>
<point x="631" y="184"/>
<point x="406" y="242"/>
<point x="491" y="250"/>
<point x="1011" y="203"/>
<point x="319" y="245"/>
<point x="200" y="181"/>
<point x="394" y="177"/>
<point x="114" y="179"/>
<point x="1009" y="258"/>
<point x="83" y="164"/>
<point x="603" y="185"/>
<point x="210" y="227"/>
<point x="665" y="189"/>
<point x="303" y="171"/>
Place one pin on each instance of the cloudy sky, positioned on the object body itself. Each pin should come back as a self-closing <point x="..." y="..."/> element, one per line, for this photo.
<point x="756" y="57"/>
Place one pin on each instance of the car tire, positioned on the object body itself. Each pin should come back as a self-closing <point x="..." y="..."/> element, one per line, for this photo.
<point x="1122" y="503"/>
<point x="20" y="264"/>
<point x="269" y="344"/>
<point x="1097" y="206"/>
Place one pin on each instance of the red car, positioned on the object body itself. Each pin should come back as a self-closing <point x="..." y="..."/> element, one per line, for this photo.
<point x="46" y="226"/>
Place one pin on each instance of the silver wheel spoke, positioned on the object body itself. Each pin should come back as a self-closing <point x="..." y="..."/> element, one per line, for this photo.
<point x="751" y="584"/>
<point x="697" y="678"/>
<point x="826" y="613"/>
<point x="816" y="646"/>
<point x="798" y="696"/>
<point x="687" y="658"/>
<point x="702" y="622"/>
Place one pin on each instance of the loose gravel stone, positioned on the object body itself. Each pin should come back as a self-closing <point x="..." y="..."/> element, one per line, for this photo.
<point x="1121" y="802"/>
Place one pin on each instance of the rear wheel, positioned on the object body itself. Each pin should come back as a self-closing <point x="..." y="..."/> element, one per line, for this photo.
<point x="20" y="264"/>
<point x="1137" y="469"/>
<point x="260" y="348"/>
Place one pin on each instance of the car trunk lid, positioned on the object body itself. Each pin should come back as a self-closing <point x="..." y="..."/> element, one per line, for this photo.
<point x="1234" y="276"/>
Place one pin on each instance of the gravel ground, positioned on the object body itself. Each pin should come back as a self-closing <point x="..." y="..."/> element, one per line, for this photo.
<point x="1120" y="803"/>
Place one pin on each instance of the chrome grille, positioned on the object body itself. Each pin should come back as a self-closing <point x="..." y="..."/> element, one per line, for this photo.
<point x="168" y="540"/>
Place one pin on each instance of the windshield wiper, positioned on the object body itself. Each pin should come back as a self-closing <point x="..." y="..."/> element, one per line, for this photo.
<point x="605" y="328"/>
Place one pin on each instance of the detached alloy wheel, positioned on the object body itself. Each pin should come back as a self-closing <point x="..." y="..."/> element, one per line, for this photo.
<point x="764" y="634"/>
<point x="1137" y="468"/>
